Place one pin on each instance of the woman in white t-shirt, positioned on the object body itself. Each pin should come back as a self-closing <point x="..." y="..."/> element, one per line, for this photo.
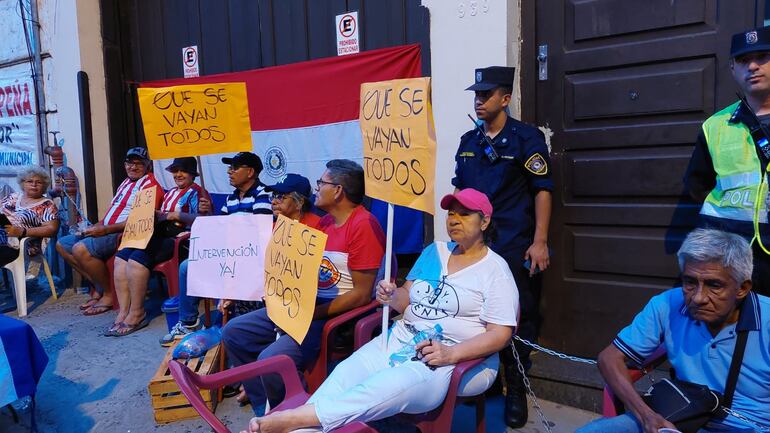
<point x="460" y="288"/>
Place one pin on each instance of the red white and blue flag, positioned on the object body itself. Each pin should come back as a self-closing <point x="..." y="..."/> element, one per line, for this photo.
<point x="304" y="114"/>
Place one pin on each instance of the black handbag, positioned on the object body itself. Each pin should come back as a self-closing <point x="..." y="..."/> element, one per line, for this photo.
<point x="169" y="229"/>
<point x="689" y="406"/>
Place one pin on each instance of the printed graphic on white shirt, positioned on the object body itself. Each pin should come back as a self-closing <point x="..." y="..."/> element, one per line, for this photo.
<point x="334" y="277"/>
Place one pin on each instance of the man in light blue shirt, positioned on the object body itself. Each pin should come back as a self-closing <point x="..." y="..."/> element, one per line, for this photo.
<point x="698" y="324"/>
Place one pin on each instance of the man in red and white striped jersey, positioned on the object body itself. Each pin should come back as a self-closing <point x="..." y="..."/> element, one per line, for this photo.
<point x="88" y="252"/>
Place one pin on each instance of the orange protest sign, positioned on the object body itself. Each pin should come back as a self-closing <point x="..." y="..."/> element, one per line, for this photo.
<point x="198" y="119"/>
<point x="292" y="262"/>
<point x="396" y="121"/>
<point x="140" y="224"/>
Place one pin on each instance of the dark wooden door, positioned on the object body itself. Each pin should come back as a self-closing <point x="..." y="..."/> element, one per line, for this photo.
<point x="629" y="83"/>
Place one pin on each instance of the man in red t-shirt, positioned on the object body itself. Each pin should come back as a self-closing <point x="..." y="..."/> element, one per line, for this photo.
<point x="89" y="251"/>
<point x="353" y="253"/>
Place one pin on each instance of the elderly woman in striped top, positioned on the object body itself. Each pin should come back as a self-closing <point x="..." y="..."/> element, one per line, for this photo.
<point x="133" y="265"/>
<point x="29" y="213"/>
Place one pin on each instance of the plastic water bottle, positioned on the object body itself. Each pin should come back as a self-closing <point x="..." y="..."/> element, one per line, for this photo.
<point x="408" y="351"/>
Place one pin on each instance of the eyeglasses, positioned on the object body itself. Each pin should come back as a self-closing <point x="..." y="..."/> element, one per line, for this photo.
<point x="321" y="182"/>
<point x="34" y="182"/>
<point x="231" y="168"/>
<point x="278" y="197"/>
<point x="134" y="163"/>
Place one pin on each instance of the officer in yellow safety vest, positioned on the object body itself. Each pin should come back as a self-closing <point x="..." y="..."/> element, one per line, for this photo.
<point x="728" y="168"/>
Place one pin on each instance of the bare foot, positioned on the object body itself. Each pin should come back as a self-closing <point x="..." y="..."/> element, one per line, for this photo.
<point x="253" y="426"/>
<point x="242" y="397"/>
<point x="134" y="317"/>
<point x="276" y="422"/>
<point x="89" y="303"/>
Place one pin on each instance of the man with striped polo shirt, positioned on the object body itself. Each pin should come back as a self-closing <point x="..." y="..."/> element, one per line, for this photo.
<point x="249" y="196"/>
<point x="88" y="252"/>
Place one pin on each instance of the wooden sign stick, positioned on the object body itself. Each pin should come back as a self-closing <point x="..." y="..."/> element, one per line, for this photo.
<point x="388" y="265"/>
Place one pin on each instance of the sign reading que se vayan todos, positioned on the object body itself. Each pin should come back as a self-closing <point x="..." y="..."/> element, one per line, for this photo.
<point x="140" y="224"/>
<point x="227" y="256"/>
<point x="292" y="262"/>
<point x="198" y="119"/>
<point x="396" y="121"/>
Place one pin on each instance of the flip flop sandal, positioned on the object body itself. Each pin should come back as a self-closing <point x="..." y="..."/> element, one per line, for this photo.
<point x="229" y="391"/>
<point x="89" y="303"/>
<point x="126" y="329"/>
<point x="97" y="309"/>
<point x="112" y="331"/>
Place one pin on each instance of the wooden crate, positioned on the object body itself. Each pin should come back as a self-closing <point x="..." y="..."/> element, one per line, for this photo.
<point x="168" y="402"/>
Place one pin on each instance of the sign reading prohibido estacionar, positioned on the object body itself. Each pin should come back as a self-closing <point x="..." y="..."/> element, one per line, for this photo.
<point x="227" y="256"/>
<point x="399" y="142"/>
<point x="198" y="119"/>
<point x="140" y="224"/>
<point x="292" y="262"/>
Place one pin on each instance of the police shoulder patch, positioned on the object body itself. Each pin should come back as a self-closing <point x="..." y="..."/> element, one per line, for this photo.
<point x="536" y="164"/>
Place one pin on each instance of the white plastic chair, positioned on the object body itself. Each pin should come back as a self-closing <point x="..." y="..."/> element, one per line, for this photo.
<point x="19" y="274"/>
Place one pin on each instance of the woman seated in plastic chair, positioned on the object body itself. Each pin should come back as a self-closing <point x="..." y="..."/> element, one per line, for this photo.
<point x="133" y="266"/>
<point x="460" y="296"/>
<point x="30" y="214"/>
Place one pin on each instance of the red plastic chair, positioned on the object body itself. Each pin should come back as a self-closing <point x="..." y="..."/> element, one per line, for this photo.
<point x="190" y="382"/>
<point x="611" y="405"/>
<point x="170" y="268"/>
<point x="438" y="420"/>
<point x="316" y="374"/>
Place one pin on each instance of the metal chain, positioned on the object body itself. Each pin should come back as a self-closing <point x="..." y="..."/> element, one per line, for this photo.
<point x="553" y="352"/>
<point x="525" y="379"/>
<point x="593" y="362"/>
<point x="743" y="418"/>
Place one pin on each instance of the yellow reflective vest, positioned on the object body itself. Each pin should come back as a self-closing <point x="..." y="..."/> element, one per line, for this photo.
<point x="738" y="169"/>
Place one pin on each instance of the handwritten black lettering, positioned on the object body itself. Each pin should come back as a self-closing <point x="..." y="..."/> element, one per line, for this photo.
<point x="406" y="174"/>
<point x="413" y="102"/>
<point x="376" y="104"/>
<point x="164" y="100"/>
<point x="384" y="139"/>
<point x="215" y="96"/>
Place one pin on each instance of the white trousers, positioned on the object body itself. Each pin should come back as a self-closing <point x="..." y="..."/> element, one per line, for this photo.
<point x="365" y="387"/>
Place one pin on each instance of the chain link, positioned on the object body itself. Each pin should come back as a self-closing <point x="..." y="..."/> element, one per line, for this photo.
<point x="743" y="418"/>
<point x="525" y="379"/>
<point x="547" y="351"/>
<point x="540" y="348"/>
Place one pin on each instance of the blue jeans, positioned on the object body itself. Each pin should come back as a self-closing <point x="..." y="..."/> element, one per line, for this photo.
<point x="188" y="305"/>
<point x="628" y="423"/>
<point x="252" y="336"/>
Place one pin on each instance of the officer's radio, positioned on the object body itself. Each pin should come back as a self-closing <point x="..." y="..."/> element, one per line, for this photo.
<point x="757" y="130"/>
<point x="486" y="143"/>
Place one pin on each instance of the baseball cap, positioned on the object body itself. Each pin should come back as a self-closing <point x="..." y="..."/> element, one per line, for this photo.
<point x="750" y="41"/>
<point x="245" y="158"/>
<point x="493" y="76"/>
<point x="471" y="199"/>
<point x="291" y="182"/>
<point x="137" y="152"/>
<point x="187" y="165"/>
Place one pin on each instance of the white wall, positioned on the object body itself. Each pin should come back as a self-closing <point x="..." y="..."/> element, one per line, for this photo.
<point x="71" y="34"/>
<point x="464" y="35"/>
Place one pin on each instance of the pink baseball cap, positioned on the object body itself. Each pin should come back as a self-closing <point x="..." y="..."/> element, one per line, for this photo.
<point x="471" y="199"/>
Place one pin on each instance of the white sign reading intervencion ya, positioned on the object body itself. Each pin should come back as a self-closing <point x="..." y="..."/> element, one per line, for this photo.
<point x="227" y="256"/>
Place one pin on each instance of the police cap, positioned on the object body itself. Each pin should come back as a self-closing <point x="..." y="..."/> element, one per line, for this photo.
<point x="750" y="41"/>
<point x="493" y="76"/>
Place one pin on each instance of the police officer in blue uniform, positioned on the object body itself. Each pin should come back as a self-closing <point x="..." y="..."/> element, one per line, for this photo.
<point x="511" y="166"/>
